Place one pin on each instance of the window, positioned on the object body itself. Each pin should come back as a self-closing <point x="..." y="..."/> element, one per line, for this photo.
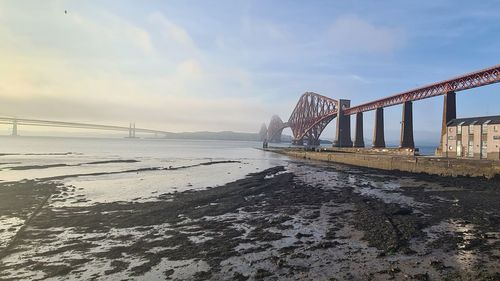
<point x="470" y="148"/>
<point x="459" y="130"/>
<point x="484" y="127"/>
<point x="471" y="128"/>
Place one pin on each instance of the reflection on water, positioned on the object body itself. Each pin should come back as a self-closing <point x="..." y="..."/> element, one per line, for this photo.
<point x="31" y="151"/>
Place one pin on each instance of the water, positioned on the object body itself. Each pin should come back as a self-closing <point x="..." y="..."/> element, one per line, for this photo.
<point x="427" y="149"/>
<point x="176" y="165"/>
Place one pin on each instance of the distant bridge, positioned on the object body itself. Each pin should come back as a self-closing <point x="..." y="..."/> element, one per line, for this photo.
<point x="15" y="122"/>
<point x="313" y="112"/>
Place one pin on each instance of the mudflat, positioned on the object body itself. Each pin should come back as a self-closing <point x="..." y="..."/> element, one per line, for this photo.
<point x="307" y="221"/>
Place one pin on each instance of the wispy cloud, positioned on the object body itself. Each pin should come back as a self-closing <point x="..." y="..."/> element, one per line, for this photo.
<point x="172" y="32"/>
<point x="351" y="33"/>
<point x="101" y="67"/>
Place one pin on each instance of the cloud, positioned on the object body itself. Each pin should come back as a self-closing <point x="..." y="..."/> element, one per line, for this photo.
<point x="190" y="68"/>
<point x="172" y="31"/>
<point x="263" y="30"/>
<point x="95" y="66"/>
<point x="112" y="30"/>
<point x="352" y="34"/>
<point x="43" y="29"/>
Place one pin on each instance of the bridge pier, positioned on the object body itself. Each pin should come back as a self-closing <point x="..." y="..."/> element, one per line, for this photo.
<point x="378" y="131"/>
<point x="298" y="142"/>
<point x="313" y="142"/>
<point x="407" y="126"/>
<point x="449" y="113"/>
<point x="131" y="130"/>
<point x="343" y="135"/>
<point x="358" y="138"/>
<point x="14" y="128"/>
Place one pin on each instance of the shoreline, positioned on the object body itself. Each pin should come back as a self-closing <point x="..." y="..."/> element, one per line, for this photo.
<point x="431" y="165"/>
<point x="303" y="221"/>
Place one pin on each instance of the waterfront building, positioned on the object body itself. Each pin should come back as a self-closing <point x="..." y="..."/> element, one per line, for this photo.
<point x="473" y="138"/>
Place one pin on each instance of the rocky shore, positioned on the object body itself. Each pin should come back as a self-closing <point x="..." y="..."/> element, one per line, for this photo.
<point x="304" y="221"/>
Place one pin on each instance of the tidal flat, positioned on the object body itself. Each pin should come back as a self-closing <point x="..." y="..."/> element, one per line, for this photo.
<point x="296" y="221"/>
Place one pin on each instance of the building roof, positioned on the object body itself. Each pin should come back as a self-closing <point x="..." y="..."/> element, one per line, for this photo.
<point x="474" y="121"/>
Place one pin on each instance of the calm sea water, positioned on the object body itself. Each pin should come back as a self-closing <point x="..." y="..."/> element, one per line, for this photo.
<point x="180" y="164"/>
<point x="113" y="169"/>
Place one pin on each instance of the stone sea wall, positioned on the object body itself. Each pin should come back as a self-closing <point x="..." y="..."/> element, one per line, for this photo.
<point x="414" y="164"/>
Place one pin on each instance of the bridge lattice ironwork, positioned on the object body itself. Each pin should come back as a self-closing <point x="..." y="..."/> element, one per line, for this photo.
<point x="311" y="115"/>
<point x="468" y="81"/>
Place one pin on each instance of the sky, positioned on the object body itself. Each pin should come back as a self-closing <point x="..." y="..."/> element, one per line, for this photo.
<point x="230" y="65"/>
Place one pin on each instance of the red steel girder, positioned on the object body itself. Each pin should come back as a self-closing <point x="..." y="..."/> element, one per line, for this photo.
<point x="311" y="115"/>
<point x="471" y="80"/>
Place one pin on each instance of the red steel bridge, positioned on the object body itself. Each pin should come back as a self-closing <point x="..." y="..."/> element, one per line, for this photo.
<point x="313" y="112"/>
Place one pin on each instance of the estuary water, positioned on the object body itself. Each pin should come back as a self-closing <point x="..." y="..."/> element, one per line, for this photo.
<point x="106" y="170"/>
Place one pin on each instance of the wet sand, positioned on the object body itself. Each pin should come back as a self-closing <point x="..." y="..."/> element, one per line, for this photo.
<point x="279" y="224"/>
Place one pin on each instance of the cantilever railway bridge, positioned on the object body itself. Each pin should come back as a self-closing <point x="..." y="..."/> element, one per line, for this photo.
<point x="313" y="112"/>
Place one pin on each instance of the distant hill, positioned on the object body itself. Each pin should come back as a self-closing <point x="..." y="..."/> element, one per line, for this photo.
<point x="224" y="135"/>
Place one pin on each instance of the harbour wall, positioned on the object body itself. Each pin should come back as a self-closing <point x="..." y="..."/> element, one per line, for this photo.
<point x="414" y="164"/>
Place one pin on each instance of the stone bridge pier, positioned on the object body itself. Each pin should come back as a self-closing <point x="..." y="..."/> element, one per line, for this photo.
<point x="131" y="130"/>
<point x="407" y="126"/>
<point x="343" y="136"/>
<point x="14" y="128"/>
<point x="449" y="113"/>
<point x="378" y="130"/>
<point x="359" y="140"/>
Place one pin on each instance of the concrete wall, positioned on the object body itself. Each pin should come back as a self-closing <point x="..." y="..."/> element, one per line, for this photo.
<point x="370" y="150"/>
<point x="429" y="165"/>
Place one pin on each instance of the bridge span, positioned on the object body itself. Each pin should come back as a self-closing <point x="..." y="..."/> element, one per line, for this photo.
<point x="313" y="112"/>
<point x="132" y="130"/>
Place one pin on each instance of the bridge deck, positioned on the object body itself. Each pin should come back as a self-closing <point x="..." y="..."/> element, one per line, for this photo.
<point x="61" y="124"/>
<point x="468" y="81"/>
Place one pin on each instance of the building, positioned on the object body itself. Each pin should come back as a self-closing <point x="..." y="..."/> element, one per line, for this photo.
<point x="473" y="138"/>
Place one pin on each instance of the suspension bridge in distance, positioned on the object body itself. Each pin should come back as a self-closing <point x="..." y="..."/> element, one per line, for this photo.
<point x="131" y="129"/>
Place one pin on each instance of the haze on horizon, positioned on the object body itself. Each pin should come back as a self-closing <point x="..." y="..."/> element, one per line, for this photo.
<point x="230" y="65"/>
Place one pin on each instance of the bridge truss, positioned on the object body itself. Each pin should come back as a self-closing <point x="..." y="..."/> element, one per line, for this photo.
<point x="468" y="81"/>
<point x="313" y="112"/>
<point x="310" y="117"/>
